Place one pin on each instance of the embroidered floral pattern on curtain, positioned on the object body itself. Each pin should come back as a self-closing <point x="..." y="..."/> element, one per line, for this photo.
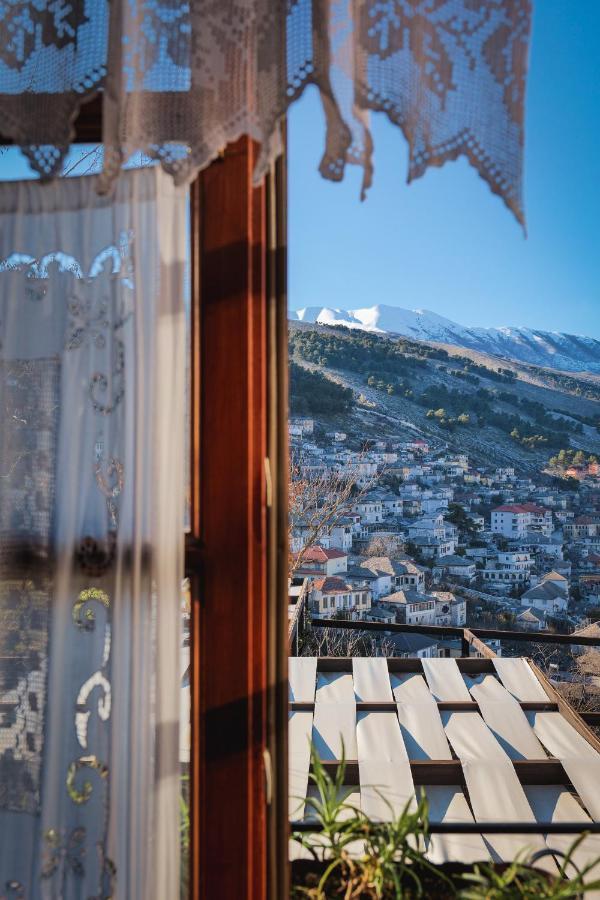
<point x="92" y="364"/>
<point x="181" y="80"/>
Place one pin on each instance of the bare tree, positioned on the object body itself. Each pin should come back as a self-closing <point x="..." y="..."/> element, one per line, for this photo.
<point x="316" y="502"/>
<point x="89" y="161"/>
<point x="385" y="545"/>
<point x="547" y="656"/>
<point x="583" y="692"/>
<point x="326" y="641"/>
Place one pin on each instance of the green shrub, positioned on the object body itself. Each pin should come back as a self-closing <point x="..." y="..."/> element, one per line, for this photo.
<point x="356" y="857"/>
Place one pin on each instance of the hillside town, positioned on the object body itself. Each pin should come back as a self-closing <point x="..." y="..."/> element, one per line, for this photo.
<point x="408" y="532"/>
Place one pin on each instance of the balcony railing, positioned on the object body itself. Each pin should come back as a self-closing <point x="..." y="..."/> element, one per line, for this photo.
<point x="474" y="638"/>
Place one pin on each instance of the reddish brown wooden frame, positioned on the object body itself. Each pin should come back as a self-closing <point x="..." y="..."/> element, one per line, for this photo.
<point x="236" y="551"/>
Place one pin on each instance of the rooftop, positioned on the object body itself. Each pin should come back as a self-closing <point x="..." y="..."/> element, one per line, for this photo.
<point x="407" y="596"/>
<point x="453" y="560"/>
<point x="545" y="590"/>
<point x="331" y="584"/>
<point x="316" y="553"/>
<point x="488" y="740"/>
<point x="387" y="566"/>
<point x="521" y="508"/>
<point x="591" y="630"/>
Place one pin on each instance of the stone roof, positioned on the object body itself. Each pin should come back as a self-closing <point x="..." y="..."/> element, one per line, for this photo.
<point x="545" y="590"/>
<point x="591" y="630"/>
<point x="387" y="566"/>
<point x="453" y="560"/>
<point x="406" y="596"/>
<point x="531" y="614"/>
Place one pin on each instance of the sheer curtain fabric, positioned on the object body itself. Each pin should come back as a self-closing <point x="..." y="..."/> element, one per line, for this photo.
<point x="91" y="524"/>
<point x="180" y="80"/>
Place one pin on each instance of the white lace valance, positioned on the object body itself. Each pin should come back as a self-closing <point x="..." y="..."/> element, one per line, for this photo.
<point x="180" y="80"/>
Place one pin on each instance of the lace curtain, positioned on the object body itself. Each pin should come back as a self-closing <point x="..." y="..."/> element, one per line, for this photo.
<point x="91" y="521"/>
<point x="180" y="80"/>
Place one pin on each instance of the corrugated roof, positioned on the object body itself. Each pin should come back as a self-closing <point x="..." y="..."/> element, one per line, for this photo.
<point x="484" y="738"/>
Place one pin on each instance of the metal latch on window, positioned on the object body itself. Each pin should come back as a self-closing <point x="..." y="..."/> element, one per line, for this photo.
<point x="268" y="482"/>
<point x="268" y="767"/>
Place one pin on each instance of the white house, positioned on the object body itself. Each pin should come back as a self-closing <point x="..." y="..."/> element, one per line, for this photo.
<point x="534" y="542"/>
<point x="379" y="580"/>
<point x="302" y="425"/>
<point x="455" y="567"/>
<point x="428" y="526"/>
<point x="340" y="534"/>
<point x="433" y="504"/>
<point x="449" y="609"/>
<point x="551" y="594"/>
<point x="582" y="527"/>
<point x="329" y="561"/>
<point x="432" y="547"/>
<point x="364" y="472"/>
<point x="508" y="568"/>
<point x="330" y="595"/>
<point x="514" y="560"/>
<point x="381" y="615"/>
<point x="506" y="473"/>
<point x="417" y="446"/>
<point x="413" y="645"/>
<point x="392" y="504"/>
<point x="531" y="619"/>
<point x="513" y="520"/>
<point x="411" y="607"/>
<point x="369" y="509"/>
<point x="403" y="574"/>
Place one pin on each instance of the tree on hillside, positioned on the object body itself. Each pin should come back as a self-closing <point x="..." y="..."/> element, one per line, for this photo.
<point x="458" y="517"/>
<point x="311" y="393"/>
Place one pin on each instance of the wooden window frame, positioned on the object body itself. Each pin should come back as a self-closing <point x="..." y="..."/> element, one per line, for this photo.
<point x="236" y="551"/>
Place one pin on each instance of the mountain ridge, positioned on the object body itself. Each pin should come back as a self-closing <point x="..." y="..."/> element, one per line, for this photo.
<point x="557" y="350"/>
<point x="514" y="414"/>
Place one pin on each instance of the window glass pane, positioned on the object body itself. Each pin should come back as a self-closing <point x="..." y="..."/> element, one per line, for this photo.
<point x="82" y="160"/>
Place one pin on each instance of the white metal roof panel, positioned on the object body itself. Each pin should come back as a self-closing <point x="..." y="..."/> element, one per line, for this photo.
<point x="302" y="678"/>
<point x="447" y="803"/>
<point x="419" y="718"/>
<point x="517" y="677"/>
<point x="385" y="775"/>
<point x="371" y="678"/>
<point x="495" y="792"/>
<point x="505" y="718"/>
<point x="580" y="761"/>
<point x="445" y="680"/>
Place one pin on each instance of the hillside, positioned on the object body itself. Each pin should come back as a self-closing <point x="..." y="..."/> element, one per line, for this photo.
<point x="507" y="413"/>
<point x="569" y="352"/>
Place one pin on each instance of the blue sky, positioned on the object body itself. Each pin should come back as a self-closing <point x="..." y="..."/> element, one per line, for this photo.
<point x="444" y="242"/>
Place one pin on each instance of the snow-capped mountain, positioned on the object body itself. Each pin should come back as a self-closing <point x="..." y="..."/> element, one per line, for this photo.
<point x="569" y="352"/>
